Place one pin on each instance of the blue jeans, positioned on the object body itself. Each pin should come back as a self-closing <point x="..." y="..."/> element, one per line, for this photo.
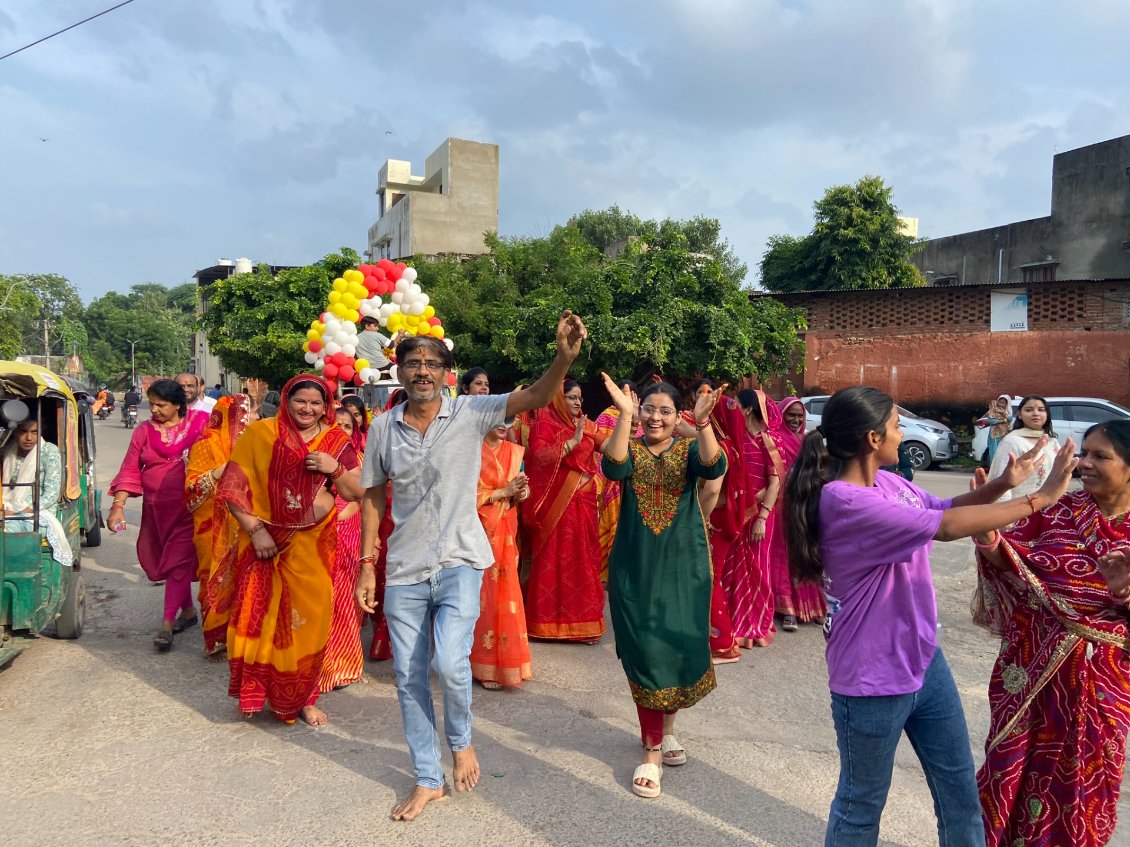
<point x="868" y="731"/>
<point x="432" y="623"/>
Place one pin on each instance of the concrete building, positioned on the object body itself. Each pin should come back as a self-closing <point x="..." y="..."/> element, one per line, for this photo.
<point x="1086" y="236"/>
<point x="445" y="211"/>
<point x="203" y="362"/>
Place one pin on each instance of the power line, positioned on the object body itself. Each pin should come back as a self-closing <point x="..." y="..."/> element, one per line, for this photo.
<point x="60" y="32"/>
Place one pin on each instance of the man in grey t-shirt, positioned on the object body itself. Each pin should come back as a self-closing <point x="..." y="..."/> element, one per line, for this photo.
<point x="429" y="449"/>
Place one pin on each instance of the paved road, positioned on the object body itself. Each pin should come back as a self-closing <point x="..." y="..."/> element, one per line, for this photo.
<point x="114" y="744"/>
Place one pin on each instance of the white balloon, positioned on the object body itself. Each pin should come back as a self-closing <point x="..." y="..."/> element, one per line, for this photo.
<point x="333" y="348"/>
<point x="310" y="358"/>
<point x="348" y="349"/>
<point x="417" y="308"/>
<point x="449" y="343"/>
<point x="332" y="325"/>
<point x="318" y="365"/>
<point x="403" y="285"/>
<point x="415" y="289"/>
<point x="367" y="374"/>
<point x="409" y="275"/>
<point x="424" y="298"/>
<point x="340" y="337"/>
<point x="392" y="371"/>
<point x="398" y="297"/>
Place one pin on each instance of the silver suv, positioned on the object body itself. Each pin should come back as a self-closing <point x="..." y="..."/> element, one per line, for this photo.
<point x="925" y="440"/>
<point x="1071" y="417"/>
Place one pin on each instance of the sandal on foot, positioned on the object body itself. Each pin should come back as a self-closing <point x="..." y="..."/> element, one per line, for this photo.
<point x="163" y="640"/>
<point x="726" y="657"/>
<point x="650" y="772"/>
<point x="671" y="745"/>
<point x="181" y="624"/>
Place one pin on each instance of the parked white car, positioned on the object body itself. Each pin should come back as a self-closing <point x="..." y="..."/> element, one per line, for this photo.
<point x="1071" y="417"/>
<point x="927" y="441"/>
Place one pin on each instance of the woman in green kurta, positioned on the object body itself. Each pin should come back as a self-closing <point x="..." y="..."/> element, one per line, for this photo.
<point x="659" y="575"/>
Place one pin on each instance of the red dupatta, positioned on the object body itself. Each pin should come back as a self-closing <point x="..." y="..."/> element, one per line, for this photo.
<point x="267" y="476"/>
<point x="555" y="478"/>
<point x="789" y="441"/>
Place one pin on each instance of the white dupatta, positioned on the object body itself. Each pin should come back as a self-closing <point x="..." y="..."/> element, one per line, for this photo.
<point x="21" y="498"/>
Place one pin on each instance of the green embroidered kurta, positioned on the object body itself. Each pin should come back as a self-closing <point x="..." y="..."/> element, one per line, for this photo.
<point x="659" y="575"/>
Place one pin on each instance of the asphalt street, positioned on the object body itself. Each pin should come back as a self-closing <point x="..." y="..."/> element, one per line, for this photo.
<point x="106" y="742"/>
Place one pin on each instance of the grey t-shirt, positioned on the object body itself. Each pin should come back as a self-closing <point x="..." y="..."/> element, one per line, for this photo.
<point x="434" y="483"/>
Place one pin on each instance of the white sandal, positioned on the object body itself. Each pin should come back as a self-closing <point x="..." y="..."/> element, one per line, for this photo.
<point x="671" y="744"/>
<point x="650" y="772"/>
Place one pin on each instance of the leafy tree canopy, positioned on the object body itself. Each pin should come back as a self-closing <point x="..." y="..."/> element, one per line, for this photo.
<point x="659" y="307"/>
<point x="256" y="322"/>
<point x="145" y="315"/>
<point x="20" y="313"/>
<point x="856" y="242"/>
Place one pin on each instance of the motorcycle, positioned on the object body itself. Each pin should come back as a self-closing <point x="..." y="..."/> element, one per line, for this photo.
<point x="130" y="416"/>
<point x="106" y="410"/>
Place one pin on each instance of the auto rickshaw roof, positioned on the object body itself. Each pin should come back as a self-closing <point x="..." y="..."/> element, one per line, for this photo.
<point x="20" y="379"/>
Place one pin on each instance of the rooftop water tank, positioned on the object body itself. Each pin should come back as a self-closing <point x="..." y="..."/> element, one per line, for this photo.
<point x="225" y="263"/>
<point x="243" y="266"/>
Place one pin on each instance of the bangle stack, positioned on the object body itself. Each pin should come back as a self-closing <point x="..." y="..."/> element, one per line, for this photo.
<point x="992" y="545"/>
<point x="367" y="560"/>
<point x="699" y="427"/>
<point x="257" y="526"/>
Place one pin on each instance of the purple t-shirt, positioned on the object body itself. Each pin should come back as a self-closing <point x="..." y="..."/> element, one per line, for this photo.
<point x="875" y="545"/>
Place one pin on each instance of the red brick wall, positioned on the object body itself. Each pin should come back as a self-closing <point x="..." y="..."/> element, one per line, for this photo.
<point x="932" y="345"/>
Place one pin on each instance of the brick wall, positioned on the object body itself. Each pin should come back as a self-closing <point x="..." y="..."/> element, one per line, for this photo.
<point x="933" y="345"/>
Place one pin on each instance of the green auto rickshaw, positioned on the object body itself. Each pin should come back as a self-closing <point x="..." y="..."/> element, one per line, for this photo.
<point x="49" y="507"/>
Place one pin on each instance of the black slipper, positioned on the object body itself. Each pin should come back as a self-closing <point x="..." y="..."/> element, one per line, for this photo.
<point x="181" y="624"/>
<point x="163" y="640"/>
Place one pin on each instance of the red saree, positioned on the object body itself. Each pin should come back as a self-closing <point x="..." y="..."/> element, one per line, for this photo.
<point x="501" y="650"/>
<point x="803" y="600"/>
<point x="215" y="529"/>
<point x="747" y="575"/>
<point x="564" y="597"/>
<point x="1059" y="694"/>
<point x="280" y="615"/>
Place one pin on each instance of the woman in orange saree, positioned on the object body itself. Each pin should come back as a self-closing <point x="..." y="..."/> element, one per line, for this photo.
<point x="564" y="597"/>
<point x="500" y="653"/>
<point x="276" y="486"/>
<point x="214" y="528"/>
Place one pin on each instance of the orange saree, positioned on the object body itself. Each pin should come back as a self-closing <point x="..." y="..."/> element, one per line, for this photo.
<point x="280" y="614"/>
<point x="564" y="597"/>
<point x="500" y="652"/>
<point x="215" y="529"/>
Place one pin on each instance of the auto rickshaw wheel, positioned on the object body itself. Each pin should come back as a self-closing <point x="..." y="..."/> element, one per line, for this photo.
<point x="72" y="616"/>
<point x="92" y="536"/>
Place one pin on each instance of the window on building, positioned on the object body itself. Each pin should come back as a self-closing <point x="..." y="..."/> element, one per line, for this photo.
<point x="1039" y="273"/>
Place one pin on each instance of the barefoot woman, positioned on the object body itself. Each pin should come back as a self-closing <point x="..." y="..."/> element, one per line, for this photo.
<point x="276" y="485"/>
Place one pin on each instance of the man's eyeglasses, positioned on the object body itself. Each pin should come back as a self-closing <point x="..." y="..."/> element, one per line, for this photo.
<point x="418" y="364"/>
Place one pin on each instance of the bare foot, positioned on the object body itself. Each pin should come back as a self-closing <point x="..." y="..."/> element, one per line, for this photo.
<point x="466" y="772"/>
<point x="313" y="716"/>
<point x="416" y="801"/>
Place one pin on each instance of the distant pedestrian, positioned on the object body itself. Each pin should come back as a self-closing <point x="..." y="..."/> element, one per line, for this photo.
<point x="193" y="387"/>
<point x="866" y="535"/>
<point x="998" y="419"/>
<point x="430" y="449"/>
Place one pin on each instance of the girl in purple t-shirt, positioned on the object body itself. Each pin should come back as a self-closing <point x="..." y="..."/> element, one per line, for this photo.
<point x="866" y="535"/>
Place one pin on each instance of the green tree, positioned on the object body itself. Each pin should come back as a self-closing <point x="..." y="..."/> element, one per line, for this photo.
<point x="856" y="242"/>
<point x="144" y="316"/>
<point x="256" y="322"/>
<point x="658" y="307"/>
<point x="58" y="303"/>
<point x="20" y="310"/>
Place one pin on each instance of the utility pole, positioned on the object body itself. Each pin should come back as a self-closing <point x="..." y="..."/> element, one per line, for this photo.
<point x="46" y="342"/>
<point x="132" y="364"/>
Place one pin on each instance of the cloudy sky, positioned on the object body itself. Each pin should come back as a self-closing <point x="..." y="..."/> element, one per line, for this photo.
<point x="179" y="131"/>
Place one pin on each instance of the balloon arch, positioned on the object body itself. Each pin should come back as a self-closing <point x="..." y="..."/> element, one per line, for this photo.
<point x="358" y="293"/>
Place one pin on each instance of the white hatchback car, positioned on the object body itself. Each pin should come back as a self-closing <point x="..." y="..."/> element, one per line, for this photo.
<point x="1071" y="417"/>
<point x="927" y="441"/>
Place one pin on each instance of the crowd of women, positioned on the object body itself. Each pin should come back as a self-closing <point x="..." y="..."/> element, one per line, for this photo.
<point x="711" y="518"/>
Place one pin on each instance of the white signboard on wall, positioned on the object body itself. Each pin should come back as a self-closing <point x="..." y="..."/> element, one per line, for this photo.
<point x="1008" y="310"/>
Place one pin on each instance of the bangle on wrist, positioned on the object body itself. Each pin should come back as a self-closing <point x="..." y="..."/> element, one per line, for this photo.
<point x="367" y="560"/>
<point x="258" y="525"/>
<point x="1121" y="596"/>
<point x="701" y="426"/>
<point x="991" y="545"/>
<point x="1031" y="498"/>
<point x="338" y="471"/>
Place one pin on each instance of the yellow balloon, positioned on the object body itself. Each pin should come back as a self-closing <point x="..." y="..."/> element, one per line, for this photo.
<point x="438" y="332"/>
<point x="340" y="284"/>
<point x="409" y="330"/>
<point x="354" y="316"/>
<point x="338" y="309"/>
<point x="353" y="275"/>
<point x="359" y="291"/>
<point x="360" y="364"/>
<point x="306" y="346"/>
<point x="412" y="320"/>
<point x="313" y="335"/>
<point x="335" y="297"/>
<point x="429" y="312"/>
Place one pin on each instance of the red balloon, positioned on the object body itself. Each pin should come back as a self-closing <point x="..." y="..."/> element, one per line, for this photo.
<point x="433" y="321"/>
<point x="386" y="264"/>
<point x="341" y="360"/>
<point x="401" y="266"/>
<point x="379" y="273"/>
<point x="346" y="372"/>
<point x="322" y="317"/>
<point x="357" y="379"/>
<point x="450" y="378"/>
<point x="365" y="269"/>
<point x="371" y="284"/>
<point x="315" y="346"/>
<point x="393" y="273"/>
<point x="330" y="370"/>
